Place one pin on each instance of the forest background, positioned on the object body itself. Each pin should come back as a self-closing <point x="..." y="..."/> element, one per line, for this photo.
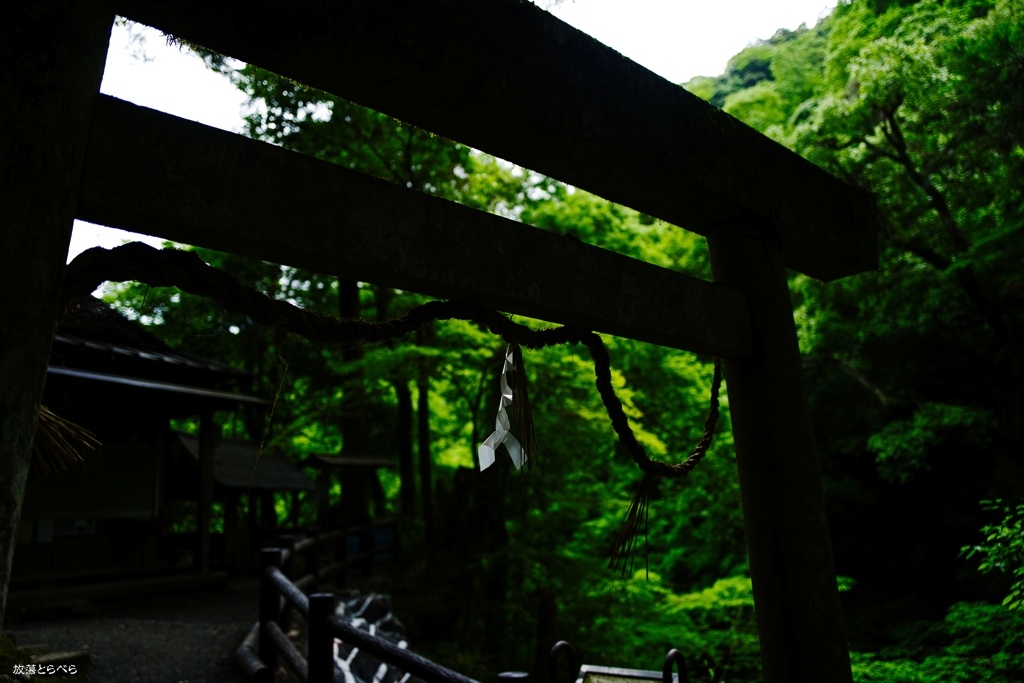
<point x="913" y="375"/>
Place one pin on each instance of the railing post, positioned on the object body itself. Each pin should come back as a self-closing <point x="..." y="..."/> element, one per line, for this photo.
<point x="396" y="554"/>
<point x="270" y="605"/>
<point x="673" y="657"/>
<point x="287" y="542"/>
<point x="313" y="559"/>
<point x="341" y="557"/>
<point x="570" y="653"/>
<point x="366" y="545"/>
<point x="321" y="642"/>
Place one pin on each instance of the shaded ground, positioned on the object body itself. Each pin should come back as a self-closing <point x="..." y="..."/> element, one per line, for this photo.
<point x="180" y="638"/>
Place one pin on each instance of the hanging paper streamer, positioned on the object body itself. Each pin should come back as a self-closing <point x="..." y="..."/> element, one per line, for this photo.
<point x="501" y="434"/>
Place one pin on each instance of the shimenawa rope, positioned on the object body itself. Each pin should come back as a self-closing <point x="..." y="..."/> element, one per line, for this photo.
<point x="186" y="271"/>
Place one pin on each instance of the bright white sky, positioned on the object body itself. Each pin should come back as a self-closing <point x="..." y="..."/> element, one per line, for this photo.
<point x="678" y="39"/>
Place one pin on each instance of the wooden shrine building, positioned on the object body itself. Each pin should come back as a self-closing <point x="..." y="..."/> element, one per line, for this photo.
<point x="240" y="469"/>
<point x="363" y="489"/>
<point x="536" y="92"/>
<point x="111" y="518"/>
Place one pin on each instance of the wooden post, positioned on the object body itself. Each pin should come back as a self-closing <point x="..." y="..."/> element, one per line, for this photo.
<point x="366" y="544"/>
<point x="50" y="78"/>
<point x="321" y="642"/>
<point x="255" y="533"/>
<point x="547" y="613"/>
<point x="232" y="534"/>
<point x="313" y="558"/>
<point x="287" y="542"/>
<point x="323" y="485"/>
<point x="293" y="511"/>
<point x="270" y="606"/>
<point x="341" y="555"/>
<point x="208" y="437"/>
<point x="799" y="618"/>
<point x="268" y="511"/>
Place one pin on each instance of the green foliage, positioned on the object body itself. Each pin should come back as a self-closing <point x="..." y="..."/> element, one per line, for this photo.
<point x="715" y="627"/>
<point x="760" y="106"/>
<point x="975" y="643"/>
<point x="902" y="447"/>
<point x="1003" y="549"/>
<point x="907" y="116"/>
<point x="617" y="228"/>
<point x="765" y="82"/>
<point x="913" y="371"/>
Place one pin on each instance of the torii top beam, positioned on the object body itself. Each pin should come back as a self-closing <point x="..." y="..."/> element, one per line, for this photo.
<point x="573" y="109"/>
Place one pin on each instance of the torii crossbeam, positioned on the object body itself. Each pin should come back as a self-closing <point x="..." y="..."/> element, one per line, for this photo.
<point x="536" y="92"/>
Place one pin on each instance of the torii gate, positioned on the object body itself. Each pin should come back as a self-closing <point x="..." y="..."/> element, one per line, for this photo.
<point x="507" y="78"/>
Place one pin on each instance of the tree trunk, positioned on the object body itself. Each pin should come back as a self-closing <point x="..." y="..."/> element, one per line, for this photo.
<point x="209" y="435"/>
<point x="799" y="618"/>
<point x="53" y="55"/>
<point x="356" y="486"/>
<point x="493" y="513"/>
<point x="406" y="472"/>
<point x="232" y="536"/>
<point x="547" y="613"/>
<point x="425" y="338"/>
<point x="383" y="297"/>
<point x="497" y="556"/>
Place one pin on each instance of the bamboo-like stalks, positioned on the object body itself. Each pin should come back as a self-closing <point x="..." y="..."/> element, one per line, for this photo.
<point x="58" y="444"/>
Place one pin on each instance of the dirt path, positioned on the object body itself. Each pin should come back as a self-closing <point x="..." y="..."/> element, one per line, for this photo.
<point x="172" y="639"/>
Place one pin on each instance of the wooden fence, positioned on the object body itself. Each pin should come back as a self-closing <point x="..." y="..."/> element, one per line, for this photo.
<point x="267" y="643"/>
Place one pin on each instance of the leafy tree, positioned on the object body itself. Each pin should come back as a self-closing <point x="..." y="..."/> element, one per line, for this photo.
<point x="975" y="643"/>
<point x="1003" y="548"/>
<point x="914" y="371"/>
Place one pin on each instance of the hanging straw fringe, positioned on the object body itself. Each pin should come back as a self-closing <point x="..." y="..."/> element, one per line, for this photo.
<point x="186" y="271"/>
<point x="58" y="443"/>
<point x="521" y="414"/>
<point x="624" y="551"/>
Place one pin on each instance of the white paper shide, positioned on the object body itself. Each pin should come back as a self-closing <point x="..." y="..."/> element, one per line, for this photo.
<point x="501" y="434"/>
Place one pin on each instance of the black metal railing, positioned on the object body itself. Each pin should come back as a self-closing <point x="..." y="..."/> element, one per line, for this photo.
<point x="673" y="661"/>
<point x="267" y="644"/>
<point x="324" y="554"/>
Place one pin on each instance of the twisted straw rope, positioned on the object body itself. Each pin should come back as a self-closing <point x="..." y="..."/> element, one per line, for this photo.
<point x="186" y="271"/>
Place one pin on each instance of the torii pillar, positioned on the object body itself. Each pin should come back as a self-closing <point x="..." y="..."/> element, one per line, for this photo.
<point x="788" y="542"/>
<point x="52" y="55"/>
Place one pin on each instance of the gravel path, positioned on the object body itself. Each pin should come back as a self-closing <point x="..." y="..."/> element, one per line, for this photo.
<point x="176" y="639"/>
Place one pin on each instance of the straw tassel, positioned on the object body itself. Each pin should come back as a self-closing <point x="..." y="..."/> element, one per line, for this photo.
<point x="624" y="553"/>
<point x="522" y="416"/>
<point x="58" y="443"/>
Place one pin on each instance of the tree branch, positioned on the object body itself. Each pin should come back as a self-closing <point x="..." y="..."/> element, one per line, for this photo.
<point x="894" y="136"/>
<point x="850" y="371"/>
